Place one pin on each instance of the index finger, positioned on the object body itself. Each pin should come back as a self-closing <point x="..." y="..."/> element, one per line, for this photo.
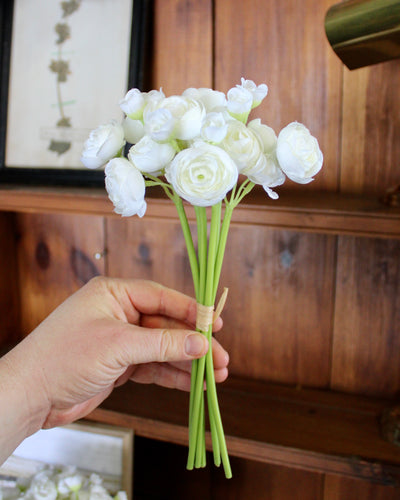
<point x="150" y="298"/>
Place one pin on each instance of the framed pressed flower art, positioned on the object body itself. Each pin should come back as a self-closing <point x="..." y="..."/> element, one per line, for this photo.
<point x="62" y="63"/>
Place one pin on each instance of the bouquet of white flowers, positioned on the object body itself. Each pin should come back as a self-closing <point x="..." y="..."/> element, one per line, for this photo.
<point x="60" y="483"/>
<point x="195" y="146"/>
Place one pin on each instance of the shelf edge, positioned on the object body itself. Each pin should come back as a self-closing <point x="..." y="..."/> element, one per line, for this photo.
<point x="350" y="466"/>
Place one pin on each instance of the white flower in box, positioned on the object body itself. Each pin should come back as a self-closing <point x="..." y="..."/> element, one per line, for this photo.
<point x="42" y="487"/>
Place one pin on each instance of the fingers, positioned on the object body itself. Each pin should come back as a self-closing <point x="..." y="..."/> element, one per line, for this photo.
<point x="150" y="298"/>
<point x="220" y="358"/>
<point x="157" y="321"/>
<point x="166" y="375"/>
<point x="154" y="302"/>
<point x="140" y="345"/>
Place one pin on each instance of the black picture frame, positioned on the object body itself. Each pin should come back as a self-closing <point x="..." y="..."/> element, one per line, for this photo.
<point x="138" y="77"/>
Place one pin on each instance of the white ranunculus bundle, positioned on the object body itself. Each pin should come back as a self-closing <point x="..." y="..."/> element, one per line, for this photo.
<point x="195" y="146"/>
<point x="56" y="483"/>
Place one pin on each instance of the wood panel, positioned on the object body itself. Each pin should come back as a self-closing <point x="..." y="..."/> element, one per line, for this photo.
<point x="320" y="212"/>
<point x="266" y="482"/>
<point x="9" y="296"/>
<point x="367" y="317"/>
<point x="371" y="127"/>
<point x="55" y="257"/>
<point x="283" y="43"/>
<point x="182" y="55"/>
<point x="279" y="312"/>
<point x="148" y="249"/>
<point x="339" y="488"/>
<point x="278" y="320"/>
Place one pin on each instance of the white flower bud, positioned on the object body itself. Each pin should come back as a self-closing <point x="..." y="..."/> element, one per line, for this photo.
<point x="240" y="102"/>
<point x="258" y="92"/>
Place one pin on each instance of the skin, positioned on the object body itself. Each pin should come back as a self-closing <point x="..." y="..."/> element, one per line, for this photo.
<point x="108" y="332"/>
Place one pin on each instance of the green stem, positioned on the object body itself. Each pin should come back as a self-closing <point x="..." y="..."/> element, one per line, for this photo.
<point x="194" y="265"/>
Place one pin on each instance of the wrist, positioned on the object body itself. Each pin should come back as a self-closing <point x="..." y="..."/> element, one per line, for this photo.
<point x="23" y="404"/>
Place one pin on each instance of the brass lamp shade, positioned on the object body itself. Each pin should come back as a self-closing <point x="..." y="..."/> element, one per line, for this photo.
<point x="364" y="32"/>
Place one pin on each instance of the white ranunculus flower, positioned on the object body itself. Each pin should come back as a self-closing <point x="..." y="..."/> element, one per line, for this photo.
<point x="174" y="117"/>
<point x="265" y="134"/>
<point x="267" y="173"/>
<point x="133" y="130"/>
<point x="298" y="153"/>
<point x="105" y="142"/>
<point x="126" y="188"/>
<point x="202" y="174"/>
<point x="214" y="127"/>
<point x="151" y="156"/>
<point x="242" y="145"/>
<point x="240" y="102"/>
<point x="259" y="92"/>
<point x="211" y="99"/>
<point x="159" y="124"/>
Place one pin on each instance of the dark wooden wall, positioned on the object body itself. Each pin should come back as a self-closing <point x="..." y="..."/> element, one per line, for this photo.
<point x="305" y="309"/>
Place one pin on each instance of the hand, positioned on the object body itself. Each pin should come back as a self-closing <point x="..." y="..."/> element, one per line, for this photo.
<point x="106" y="333"/>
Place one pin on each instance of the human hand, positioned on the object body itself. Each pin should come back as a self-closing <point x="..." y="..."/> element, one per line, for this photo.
<point x="110" y="331"/>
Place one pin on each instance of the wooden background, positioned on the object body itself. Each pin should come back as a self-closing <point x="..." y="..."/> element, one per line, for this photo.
<point x="304" y="309"/>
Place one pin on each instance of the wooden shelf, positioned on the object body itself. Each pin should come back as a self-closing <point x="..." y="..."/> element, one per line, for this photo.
<point x="326" y="213"/>
<point x="314" y="430"/>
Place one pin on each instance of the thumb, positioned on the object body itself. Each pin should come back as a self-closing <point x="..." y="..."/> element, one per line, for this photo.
<point x="145" y="345"/>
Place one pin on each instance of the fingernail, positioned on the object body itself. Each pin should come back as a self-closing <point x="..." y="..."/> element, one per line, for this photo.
<point x="194" y="344"/>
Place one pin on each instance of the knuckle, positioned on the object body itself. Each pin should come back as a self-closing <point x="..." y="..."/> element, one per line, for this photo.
<point x="166" y="344"/>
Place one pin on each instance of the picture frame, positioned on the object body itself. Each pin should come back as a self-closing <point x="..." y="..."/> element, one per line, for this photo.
<point x="91" y="447"/>
<point x="61" y="75"/>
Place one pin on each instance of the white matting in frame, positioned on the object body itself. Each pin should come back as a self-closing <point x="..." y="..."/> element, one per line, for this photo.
<point x="69" y="68"/>
<point x="90" y="447"/>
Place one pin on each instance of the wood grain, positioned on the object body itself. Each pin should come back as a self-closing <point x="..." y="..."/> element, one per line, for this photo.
<point x="300" y="428"/>
<point x="55" y="258"/>
<point x="266" y="272"/>
<point x="314" y="211"/>
<point x="283" y="43"/>
<point x="152" y="250"/>
<point x="182" y="55"/>
<point x="339" y="488"/>
<point x="264" y="482"/>
<point x="367" y="317"/>
<point x="278" y="320"/>
<point x="370" y="129"/>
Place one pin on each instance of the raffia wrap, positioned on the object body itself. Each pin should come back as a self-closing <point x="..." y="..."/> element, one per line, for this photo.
<point x="206" y="314"/>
